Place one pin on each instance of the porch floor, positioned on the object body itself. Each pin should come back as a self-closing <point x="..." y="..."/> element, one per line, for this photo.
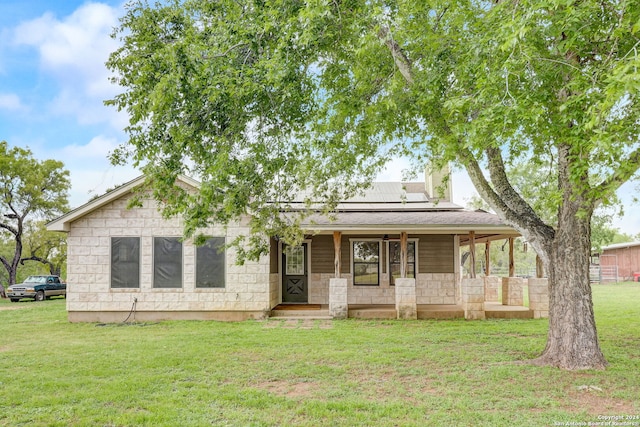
<point x="388" y="311"/>
<point x="493" y="310"/>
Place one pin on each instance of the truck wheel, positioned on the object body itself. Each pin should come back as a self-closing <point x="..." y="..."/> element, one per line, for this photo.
<point x="40" y="296"/>
<point x="15" y="299"/>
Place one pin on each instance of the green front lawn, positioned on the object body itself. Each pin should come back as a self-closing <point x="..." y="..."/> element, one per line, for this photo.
<point x="309" y="373"/>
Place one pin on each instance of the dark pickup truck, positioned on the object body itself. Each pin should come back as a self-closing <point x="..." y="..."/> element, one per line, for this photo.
<point x="37" y="288"/>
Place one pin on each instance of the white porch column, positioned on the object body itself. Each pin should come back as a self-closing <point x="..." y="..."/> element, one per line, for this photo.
<point x="473" y="298"/>
<point x="338" y="307"/>
<point x="406" y="301"/>
<point x="539" y="297"/>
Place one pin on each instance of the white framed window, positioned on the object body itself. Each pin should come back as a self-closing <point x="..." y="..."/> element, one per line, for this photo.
<point x="294" y="256"/>
<point x="366" y="261"/>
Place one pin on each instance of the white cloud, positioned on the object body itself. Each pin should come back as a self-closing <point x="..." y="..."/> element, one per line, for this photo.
<point x="87" y="183"/>
<point x="393" y="171"/>
<point x="11" y="102"/>
<point x="91" y="173"/>
<point x="73" y="51"/>
<point x="98" y="148"/>
<point x="462" y="188"/>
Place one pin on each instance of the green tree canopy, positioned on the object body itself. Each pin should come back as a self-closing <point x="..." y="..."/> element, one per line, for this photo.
<point x="260" y="99"/>
<point x="29" y="189"/>
<point x="48" y="248"/>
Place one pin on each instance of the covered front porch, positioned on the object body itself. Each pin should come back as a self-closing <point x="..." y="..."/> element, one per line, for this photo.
<point x="394" y="252"/>
<point x="403" y="290"/>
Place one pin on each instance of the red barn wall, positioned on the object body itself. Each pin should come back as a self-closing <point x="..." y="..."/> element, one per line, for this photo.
<point x="628" y="260"/>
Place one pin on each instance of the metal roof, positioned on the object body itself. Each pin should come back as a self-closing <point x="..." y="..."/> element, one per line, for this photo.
<point x="620" y="246"/>
<point x="381" y="196"/>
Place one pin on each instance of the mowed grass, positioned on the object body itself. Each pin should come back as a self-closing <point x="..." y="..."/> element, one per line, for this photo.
<point x="310" y="373"/>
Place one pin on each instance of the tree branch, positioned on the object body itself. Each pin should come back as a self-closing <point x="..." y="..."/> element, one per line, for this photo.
<point x="9" y="228"/>
<point x="621" y="175"/>
<point x="40" y="260"/>
<point x="503" y="187"/>
<point x="507" y="202"/>
<point x="399" y="57"/>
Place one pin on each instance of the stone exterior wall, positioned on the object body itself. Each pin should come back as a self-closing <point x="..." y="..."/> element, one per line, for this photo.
<point x="431" y="288"/>
<point x="319" y="290"/>
<point x="492" y="288"/>
<point x="383" y="294"/>
<point x="539" y="297"/>
<point x="319" y="287"/>
<point x="338" y="306"/>
<point x="512" y="291"/>
<point x="247" y="287"/>
<point x="473" y="298"/>
<point x="406" y="306"/>
<point x="436" y="288"/>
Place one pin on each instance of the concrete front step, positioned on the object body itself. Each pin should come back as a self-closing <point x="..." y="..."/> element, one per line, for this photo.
<point x="300" y="314"/>
<point x="509" y="314"/>
<point x="453" y="313"/>
<point x="287" y="317"/>
<point x="492" y="311"/>
<point x="434" y="311"/>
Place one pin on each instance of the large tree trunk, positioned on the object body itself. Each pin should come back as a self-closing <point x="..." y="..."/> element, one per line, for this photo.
<point x="572" y="341"/>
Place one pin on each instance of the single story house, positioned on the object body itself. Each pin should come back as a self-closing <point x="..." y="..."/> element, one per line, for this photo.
<point x="123" y="259"/>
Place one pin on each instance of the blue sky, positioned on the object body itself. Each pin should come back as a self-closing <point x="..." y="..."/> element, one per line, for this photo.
<point x="53" y="83"/>
<point x="52" y="86"/>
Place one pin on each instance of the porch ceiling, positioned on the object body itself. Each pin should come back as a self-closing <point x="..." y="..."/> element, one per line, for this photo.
<point x="484" y="238"/>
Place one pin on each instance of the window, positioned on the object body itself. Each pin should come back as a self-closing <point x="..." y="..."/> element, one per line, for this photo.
<point x="125" y="262"/>
<point x="294" y="256"/>
<point x="394" y="260"/>
<point x="210" y="264"/>
<point x="366" y="263"/>
<point x="167" y="262"/>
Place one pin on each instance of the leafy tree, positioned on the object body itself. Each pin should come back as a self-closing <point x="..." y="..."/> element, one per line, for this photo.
<point x="620" y="237"/>
<point x="260" y="99"/>
<point x="45" y="247"/>
<point x="28" y="189"/>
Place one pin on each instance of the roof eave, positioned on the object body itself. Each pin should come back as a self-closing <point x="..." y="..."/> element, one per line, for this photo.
<point x="462" y="229"/>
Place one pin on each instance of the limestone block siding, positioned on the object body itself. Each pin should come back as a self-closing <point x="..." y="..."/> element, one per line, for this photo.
<point x="249" y="287"/>
<point x="436" y="288"/>
<point x="431" y="288"/>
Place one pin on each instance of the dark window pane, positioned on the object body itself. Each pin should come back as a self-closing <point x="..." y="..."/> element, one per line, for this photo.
<point x="210" y="264"/>
<point x="125" y="262"/>
<point x="394" y="260"/>
<point x="167" y="262"/>
<point x="366" y="257"/>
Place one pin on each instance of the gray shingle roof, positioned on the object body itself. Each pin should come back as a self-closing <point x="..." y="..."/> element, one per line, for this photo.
<point x="409" y="218"/>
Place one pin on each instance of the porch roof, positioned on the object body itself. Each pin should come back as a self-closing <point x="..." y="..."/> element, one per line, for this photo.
<point x="486" y="226"/>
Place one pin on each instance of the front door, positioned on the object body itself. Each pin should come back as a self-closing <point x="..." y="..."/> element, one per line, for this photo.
<point x="294" y="274"/>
